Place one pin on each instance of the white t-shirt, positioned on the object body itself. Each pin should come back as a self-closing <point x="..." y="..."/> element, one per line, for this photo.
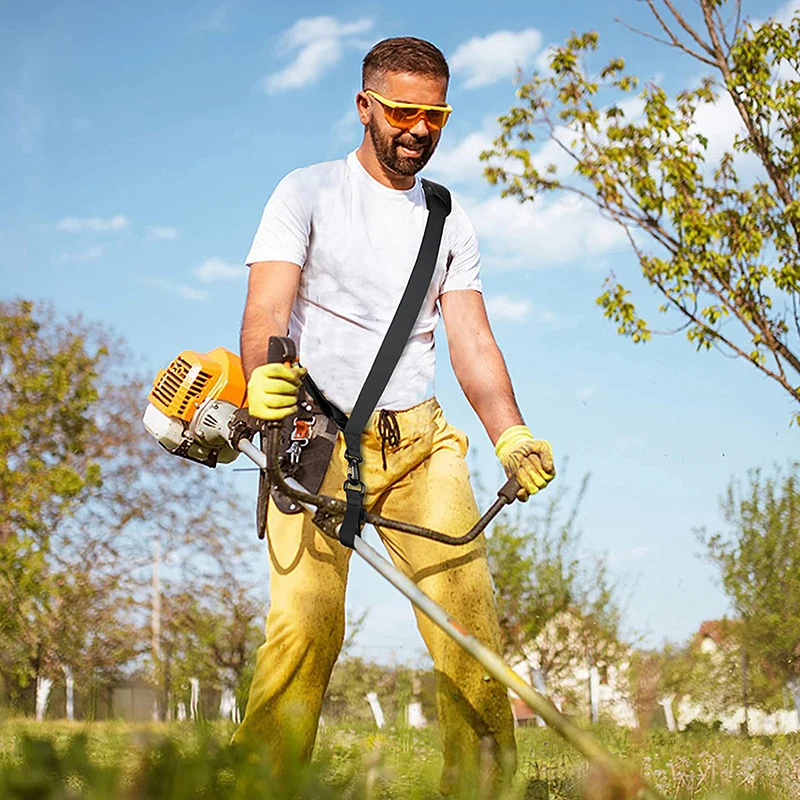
<point x="356" y="241"/>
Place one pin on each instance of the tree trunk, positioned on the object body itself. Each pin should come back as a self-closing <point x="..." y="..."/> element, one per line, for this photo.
<point x="594" y="693"/>
<point x="194" y="703"/>
<point x="666" y="704"/>
<point x="794" y="687"/>
<point x="70" y="693"/>
<point x="377" y="711"/>
<point x="43" y="687"/>
<point x="228" y="708"/>
<point x="537" y="679"/>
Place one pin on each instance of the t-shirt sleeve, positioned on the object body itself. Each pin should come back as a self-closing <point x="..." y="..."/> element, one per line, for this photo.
<point x="464" y="258"/>
<point x="285" y="227"/>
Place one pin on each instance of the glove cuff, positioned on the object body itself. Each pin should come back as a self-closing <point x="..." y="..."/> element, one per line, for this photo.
<point x="515" y="434"/>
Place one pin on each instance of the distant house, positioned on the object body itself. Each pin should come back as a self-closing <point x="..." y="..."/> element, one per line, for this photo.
<point x="712" y="635"/>
<point x="715" y="638"/>
<point x="582" y="687"/>
<point x="604" y="691"/>
<point x="523" y="714"/>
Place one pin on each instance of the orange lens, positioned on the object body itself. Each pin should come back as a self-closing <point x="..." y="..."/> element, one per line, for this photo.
<point x="407" y="118"/>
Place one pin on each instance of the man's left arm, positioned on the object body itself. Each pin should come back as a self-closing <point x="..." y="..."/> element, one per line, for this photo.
<point x="482" y="374"/>
<point x="478" y="363"/>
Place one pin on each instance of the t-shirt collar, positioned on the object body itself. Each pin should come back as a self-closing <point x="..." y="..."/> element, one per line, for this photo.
<point x="358" y="169"/>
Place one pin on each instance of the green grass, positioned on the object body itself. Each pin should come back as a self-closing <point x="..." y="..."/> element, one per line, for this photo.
<point x="179" y="761"/>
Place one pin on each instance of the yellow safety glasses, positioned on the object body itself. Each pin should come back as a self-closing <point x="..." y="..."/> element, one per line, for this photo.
<point x="406" y="115"/>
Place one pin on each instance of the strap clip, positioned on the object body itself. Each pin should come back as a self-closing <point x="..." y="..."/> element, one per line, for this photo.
<point x="353" y="480"/>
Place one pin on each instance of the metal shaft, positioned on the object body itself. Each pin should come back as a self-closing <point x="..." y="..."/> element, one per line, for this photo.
<point x="584" y="742"/>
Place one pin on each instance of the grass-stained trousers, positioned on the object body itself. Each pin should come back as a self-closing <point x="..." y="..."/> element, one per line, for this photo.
<point x="425" y="481"/>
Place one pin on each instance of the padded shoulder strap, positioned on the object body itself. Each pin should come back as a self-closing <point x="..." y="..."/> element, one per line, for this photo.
<point x="439" y="205"/>
<point x="436" y="192"/>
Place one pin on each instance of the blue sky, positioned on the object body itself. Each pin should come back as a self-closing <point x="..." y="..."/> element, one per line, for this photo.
<point x="141" y="142"/>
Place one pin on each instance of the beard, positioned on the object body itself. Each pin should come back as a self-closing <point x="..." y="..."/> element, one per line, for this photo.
<point x="387" y="150"/>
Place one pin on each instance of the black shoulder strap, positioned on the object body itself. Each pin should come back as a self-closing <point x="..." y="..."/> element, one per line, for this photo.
<point x="439" y="204"/>
<point x="438" y="200"/>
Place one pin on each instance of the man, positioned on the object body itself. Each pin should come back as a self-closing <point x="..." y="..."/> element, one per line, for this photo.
<point x="329" y="263"/>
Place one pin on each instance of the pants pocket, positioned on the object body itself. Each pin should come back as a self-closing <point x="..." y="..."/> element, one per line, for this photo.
<point x="460" y="437"/>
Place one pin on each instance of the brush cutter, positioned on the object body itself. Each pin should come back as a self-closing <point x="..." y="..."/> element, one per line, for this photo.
<point x="197" y="410"/>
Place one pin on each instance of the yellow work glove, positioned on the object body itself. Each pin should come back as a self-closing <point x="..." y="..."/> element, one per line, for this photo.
<point x="272" y="390"/>
<point x="528" y="460"/>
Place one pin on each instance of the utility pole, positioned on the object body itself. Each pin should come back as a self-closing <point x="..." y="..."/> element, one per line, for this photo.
<point x="155" y="621"/>
<point x="746" y="726"/>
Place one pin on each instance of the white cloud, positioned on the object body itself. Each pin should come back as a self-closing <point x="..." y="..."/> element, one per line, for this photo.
<point x="177" y="289"/>
<point x="89" y="254"/>
<point x="486" y="60"/>
<point x="720" y="122"/>
<point x="215" y="269"/>
<point x="552" y="150"/>
<point x="348" y="128"/>
<point x="502" y="307"/>
<point x="94" y="224"/>
<point x="585" y="393"/>
<point x="542" y="62"/>
<point x="787" y="12"/>
<point x="536" y="234"/>
<point x="460" y="164"/>
<point x="321" y="42"/>
<point x="159" y="232"/>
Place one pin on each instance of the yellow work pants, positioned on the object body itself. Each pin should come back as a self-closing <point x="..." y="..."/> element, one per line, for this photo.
<point x="426" y="482"/>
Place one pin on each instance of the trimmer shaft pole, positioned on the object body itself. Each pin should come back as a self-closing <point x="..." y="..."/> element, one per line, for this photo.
<point x="584" y="742"/>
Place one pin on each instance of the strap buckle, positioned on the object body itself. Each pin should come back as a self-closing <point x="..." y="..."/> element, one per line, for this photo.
<point x="353" y="480"/>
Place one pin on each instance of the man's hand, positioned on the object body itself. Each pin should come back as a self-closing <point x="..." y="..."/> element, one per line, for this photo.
<point x="272" y="390"/>
<point x="528" y="460"/>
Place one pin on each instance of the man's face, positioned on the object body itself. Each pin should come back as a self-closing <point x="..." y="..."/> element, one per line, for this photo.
<point x="404" y="152"/>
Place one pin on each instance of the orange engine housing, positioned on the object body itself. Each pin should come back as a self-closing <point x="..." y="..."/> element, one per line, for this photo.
<point x="192" y="378"/>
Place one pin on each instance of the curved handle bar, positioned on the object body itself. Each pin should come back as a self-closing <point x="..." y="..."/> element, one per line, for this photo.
<point x="333" y="507"/>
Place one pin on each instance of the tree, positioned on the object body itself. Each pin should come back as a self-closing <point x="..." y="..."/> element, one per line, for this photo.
<point x="721" y="249"/>
<point x="84" y="493"/>
<point x="758" y="558"/>
<point x="212" y="614"/>
<point x="715" y="681"/>
<point x="211" y="609"/>
<point x="48" y="384"/>
<point x="48" y="375"/>
<point x="353" y="678"/>
<point x="555" y="606"/>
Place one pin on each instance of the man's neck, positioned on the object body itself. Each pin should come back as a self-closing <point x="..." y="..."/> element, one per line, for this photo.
<point x="368" y="160"/>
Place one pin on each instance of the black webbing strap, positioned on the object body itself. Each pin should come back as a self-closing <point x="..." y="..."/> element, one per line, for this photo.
<point x="437" y="198"/>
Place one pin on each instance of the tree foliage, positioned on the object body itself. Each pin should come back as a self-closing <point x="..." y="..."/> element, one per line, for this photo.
<point x="720" y="243"/>
<point x="758" y="558"/>
<point x="555" y="604"/>
<point x="48" y="384"/>
<point x="84" y="494"/>
<point x="714" y="681"/>
<point x="48" y="375"/>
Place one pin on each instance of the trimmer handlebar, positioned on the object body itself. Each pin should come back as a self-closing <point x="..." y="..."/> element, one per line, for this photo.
<point x="282" y="349"/>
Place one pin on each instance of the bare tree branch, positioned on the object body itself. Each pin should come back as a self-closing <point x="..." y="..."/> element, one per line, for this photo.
<point x="673" y="41"/>
<point x="683" y="23"/>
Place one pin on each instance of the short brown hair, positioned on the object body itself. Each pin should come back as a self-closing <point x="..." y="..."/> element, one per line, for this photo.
<point x="403" y="54"/>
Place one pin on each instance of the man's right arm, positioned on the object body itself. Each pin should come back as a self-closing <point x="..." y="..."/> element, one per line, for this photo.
<point x="271" y="291"/>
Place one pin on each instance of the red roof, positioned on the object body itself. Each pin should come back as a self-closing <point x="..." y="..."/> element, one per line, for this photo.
<point x="521" y="709"/>
<point x="718" y="630"/>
